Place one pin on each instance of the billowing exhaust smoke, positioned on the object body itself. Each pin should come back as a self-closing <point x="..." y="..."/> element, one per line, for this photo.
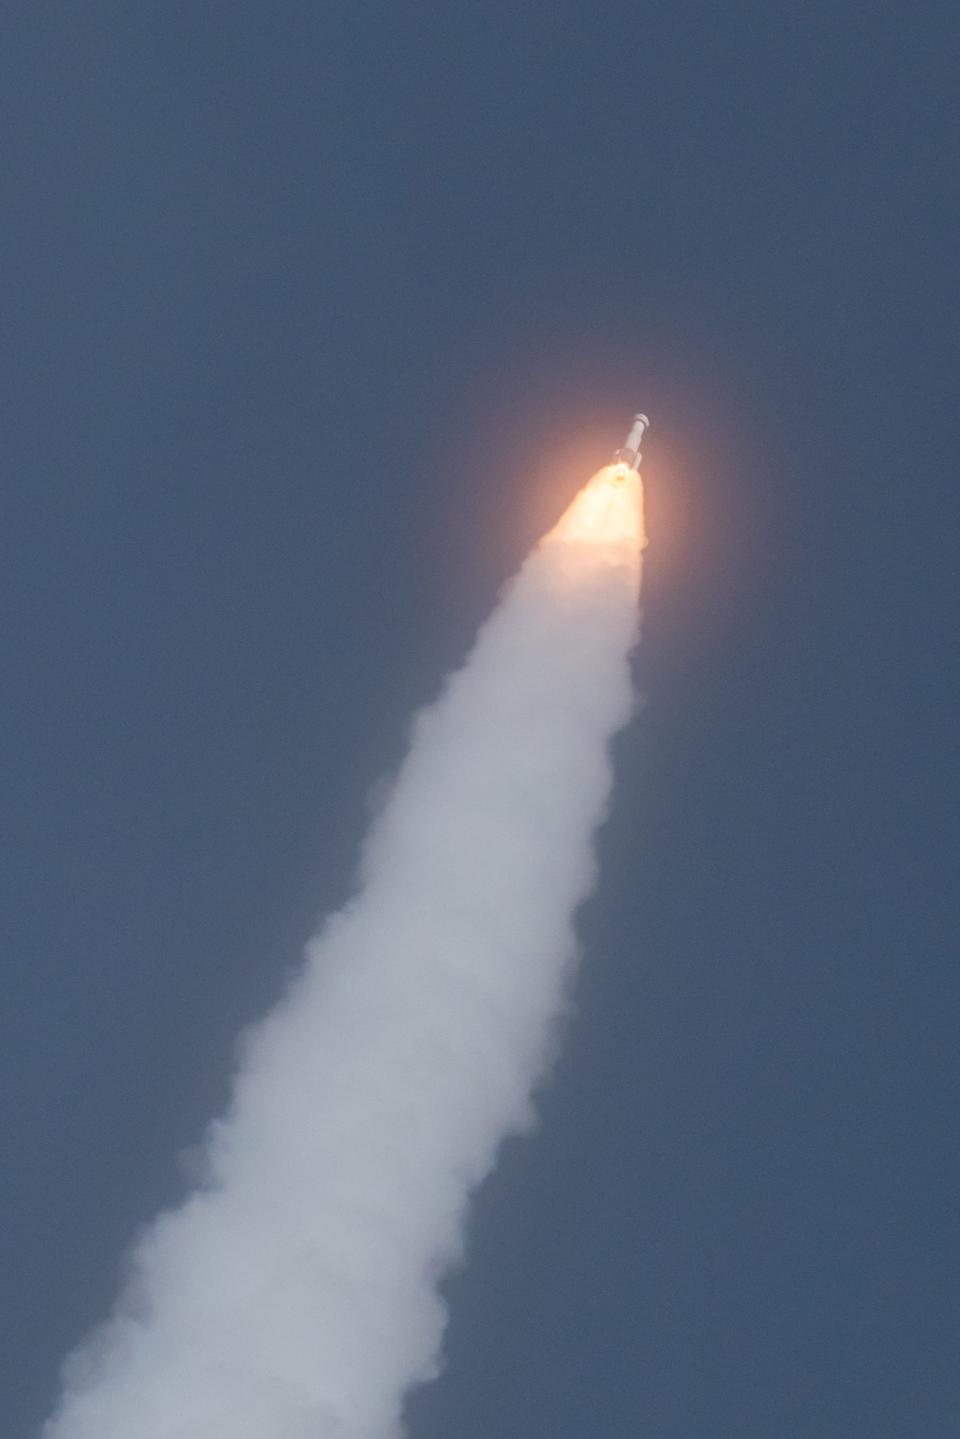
<point x="294" y="1294"/>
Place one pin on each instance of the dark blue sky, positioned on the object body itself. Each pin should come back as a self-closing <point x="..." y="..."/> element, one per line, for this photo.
<point x="314" y="315"/>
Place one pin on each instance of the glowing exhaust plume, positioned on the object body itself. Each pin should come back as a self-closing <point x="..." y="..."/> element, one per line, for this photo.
<point x="293" y="1296"/>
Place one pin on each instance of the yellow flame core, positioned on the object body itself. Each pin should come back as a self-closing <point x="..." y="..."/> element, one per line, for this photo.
<point x="608" y="512"/>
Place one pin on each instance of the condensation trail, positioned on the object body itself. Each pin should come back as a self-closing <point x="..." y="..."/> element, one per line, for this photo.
<point x="293" y="1295"/>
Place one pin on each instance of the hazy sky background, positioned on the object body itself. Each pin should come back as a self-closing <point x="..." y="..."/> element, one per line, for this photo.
<point x="314" y="316"/>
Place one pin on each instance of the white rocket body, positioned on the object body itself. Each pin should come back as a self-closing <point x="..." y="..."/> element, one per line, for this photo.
<point x="629" y="452"/>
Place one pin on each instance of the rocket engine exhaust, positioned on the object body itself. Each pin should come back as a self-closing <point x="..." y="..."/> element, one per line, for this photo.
<point x="293" y="1295"/>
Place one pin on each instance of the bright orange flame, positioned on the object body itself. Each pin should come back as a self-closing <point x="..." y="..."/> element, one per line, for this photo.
<point x="608" y="512"/>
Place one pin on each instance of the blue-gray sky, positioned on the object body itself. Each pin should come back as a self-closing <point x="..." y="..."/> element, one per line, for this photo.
<point x="313" y="318"/>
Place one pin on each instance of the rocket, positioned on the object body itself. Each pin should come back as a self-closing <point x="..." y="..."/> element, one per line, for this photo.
<point x="629" y="452"/>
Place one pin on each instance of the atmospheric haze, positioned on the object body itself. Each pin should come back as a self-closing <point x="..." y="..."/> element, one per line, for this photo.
<point x="294" y="1294"/>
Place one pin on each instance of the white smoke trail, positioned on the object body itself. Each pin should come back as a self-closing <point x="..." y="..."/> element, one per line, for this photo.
<point x="294" y="1295"/>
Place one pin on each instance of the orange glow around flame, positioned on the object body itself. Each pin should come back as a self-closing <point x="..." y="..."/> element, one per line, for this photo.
<point x="607" y="512"/>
